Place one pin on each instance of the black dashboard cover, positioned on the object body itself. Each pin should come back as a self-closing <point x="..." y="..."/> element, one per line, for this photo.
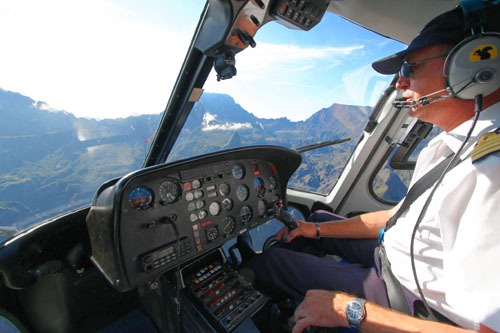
<point x="141" y="225"/>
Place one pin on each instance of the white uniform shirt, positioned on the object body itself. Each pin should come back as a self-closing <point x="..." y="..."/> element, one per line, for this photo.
<point x="457" y="245"/>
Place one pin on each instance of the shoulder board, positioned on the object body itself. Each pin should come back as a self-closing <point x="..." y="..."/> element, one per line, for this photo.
<point x="486" y="145"/>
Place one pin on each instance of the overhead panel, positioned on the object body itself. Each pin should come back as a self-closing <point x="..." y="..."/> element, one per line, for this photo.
<point x="397" y="19"/>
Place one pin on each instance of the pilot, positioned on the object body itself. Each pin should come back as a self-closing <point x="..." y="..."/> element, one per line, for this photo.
<point x="457" y="239"/>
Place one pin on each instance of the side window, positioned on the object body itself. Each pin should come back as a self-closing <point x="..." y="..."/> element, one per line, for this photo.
<point x="392" y="180"/>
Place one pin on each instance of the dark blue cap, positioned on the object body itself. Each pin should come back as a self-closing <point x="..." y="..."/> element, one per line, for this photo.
<point x="449" y="28"/>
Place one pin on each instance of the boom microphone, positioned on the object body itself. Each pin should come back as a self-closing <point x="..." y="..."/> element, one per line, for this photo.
<point x="424" y="100"/>
<point x="429" y="99"/>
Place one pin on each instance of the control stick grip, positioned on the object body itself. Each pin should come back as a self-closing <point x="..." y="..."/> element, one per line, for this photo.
<point x="287" y="219"/>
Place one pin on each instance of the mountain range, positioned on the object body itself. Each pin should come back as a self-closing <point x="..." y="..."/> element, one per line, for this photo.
<point x="53" y="161"/>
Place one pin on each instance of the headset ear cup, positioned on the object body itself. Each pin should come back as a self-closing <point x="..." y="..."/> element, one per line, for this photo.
<point x="473" y="66"/>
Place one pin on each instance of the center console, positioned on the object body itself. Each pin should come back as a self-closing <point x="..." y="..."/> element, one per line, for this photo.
<point x="224" y="296"/>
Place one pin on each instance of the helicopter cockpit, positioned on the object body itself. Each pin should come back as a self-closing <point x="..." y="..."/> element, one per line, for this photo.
<point x="160" y="246"/>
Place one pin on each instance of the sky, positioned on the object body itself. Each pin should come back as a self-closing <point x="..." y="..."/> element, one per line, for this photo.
<point x="111" y="59"/>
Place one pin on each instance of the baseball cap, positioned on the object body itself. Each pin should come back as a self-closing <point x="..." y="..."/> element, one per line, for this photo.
<point x="448" y="28"/>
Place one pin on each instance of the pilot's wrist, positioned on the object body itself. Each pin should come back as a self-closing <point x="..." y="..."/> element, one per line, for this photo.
<point x="339" y="303"/>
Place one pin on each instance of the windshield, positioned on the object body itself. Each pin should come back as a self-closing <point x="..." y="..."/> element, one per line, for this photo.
<point x="84" y="83"/>
<point x="82" y="89"/>
<point x="294" y="89"/>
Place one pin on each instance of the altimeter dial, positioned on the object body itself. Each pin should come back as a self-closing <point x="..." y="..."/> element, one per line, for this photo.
<point x="169" y="192"/>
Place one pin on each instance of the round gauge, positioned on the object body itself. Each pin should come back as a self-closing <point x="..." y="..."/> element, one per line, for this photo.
<point x="227" y="204"/>
<point x="196" y="184"/>
<point x="229" y="224"/>
<point x="262" y="207"/>
<point x="224" y="189"/>
<point x="200" y="204"/>
<point x="190" y="196"/>
<point x="140" y="198"/>
<point x="245" y="214"/>
<point x="193" y="217"/>
<point x="169" y="192"/>
<point x="214" y="208"/>
<point x="212" y="233"/>
<point x="242" y="192"/>
<point x="191" y="206"/>
<point x="258" y="186"/>
<point x="198" y="194"/>
<point x="238" y="171"/>
<point x="187" y="186"/>
<point x="272" y="183"/>
<point x="202" y="214"/>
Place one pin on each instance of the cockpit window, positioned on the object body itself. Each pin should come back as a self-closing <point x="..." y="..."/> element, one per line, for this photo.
<point x="84" y="83"/>
<point x="294" y="89"/>
<point x="82" y="89"/>
<point x="391" y="181"/>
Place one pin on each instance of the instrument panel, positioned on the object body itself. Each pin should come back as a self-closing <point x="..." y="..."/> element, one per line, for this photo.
<point x="153" y="219"/>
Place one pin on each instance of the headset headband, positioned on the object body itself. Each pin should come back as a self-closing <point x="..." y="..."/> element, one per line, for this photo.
<point x="474" y="14"/>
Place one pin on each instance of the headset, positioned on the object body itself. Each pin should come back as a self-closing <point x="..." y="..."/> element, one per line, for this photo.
<point x="472" y="67"/>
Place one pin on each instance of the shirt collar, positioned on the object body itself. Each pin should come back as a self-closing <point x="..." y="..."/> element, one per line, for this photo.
<point x="489" y="119"/>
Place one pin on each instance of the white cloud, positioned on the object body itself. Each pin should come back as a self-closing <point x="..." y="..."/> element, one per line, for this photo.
<point x="209" y="118"/>
<point x="100" y="60"/>
<point x="44" y="106"/>
<point x="91" y="58"/>
<point x="281" y="59"/>
<point x="276" y="80"/>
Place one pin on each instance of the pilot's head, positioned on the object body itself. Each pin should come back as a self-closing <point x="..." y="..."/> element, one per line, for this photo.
<point x="430" y="63"/>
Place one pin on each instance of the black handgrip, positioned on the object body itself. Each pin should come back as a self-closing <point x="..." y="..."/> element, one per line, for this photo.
<point x="287" y="219"/>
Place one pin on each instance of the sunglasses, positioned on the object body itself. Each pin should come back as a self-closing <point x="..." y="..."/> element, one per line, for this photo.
<point x="405" y="70"/>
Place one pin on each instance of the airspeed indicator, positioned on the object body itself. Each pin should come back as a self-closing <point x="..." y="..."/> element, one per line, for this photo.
<point x="169" y="192"/>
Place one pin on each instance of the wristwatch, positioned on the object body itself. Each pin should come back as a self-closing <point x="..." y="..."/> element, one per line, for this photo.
<point x="355" y="312"/>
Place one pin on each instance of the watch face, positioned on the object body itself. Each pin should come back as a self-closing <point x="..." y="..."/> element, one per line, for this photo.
<point x="355" y="311"/>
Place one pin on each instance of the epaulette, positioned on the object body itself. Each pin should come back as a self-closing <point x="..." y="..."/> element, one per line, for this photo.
<point x="486" y="145"/>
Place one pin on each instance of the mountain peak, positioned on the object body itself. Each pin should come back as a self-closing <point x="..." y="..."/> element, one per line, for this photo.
<point x="234" y="141"/>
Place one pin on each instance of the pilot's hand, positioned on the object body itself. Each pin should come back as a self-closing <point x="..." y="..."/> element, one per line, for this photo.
<point x="304" y="229"/>
<point x="321" y="308"/>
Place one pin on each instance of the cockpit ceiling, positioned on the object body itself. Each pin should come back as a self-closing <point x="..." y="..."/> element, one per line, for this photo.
<point x="397" y="19"/>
